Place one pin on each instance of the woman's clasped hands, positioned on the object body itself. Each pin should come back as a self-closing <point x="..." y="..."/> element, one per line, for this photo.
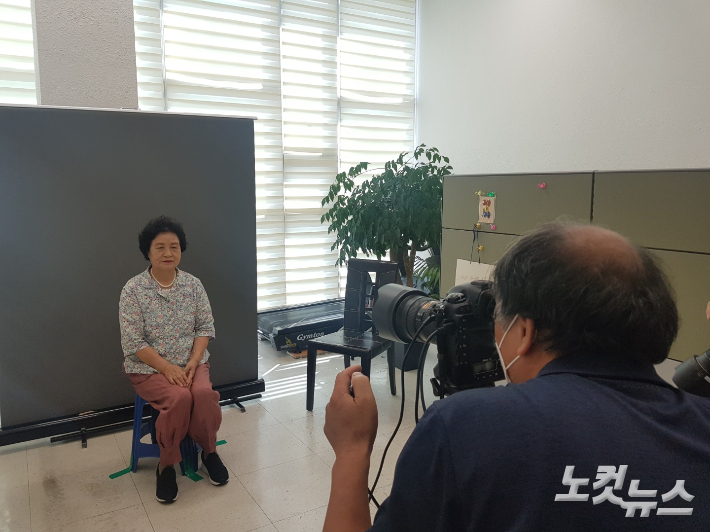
<point x="177" y="375"/>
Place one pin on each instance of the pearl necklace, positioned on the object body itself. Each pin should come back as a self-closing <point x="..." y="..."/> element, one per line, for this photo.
<point x="163" y="285"/>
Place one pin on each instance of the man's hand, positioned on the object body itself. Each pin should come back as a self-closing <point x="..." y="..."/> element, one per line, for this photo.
<point x="350" y="426"/>
<point x="190" y="368"/>
<point x="351" y="420"/>
<point x="175" y="375"/>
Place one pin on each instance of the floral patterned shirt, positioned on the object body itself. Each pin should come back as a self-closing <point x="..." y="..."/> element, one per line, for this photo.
<point x="166" y="320"/>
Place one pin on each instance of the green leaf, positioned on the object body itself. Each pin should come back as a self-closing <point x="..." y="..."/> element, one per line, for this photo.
<point x="399" y="206"/>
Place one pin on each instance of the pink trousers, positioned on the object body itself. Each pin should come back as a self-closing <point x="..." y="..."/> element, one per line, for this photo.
<point x="194" y="411"/>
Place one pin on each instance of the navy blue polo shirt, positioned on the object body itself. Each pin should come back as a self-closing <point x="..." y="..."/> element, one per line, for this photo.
<point x="618" y="447"/>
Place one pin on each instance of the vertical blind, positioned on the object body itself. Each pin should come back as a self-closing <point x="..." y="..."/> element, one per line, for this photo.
<point x="17" y="63"/>
<point x="331" y="83"/>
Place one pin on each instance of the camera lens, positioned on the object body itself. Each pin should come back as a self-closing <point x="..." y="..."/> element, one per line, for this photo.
<point x="693" y="375"/>
<point x="399" y="311"/>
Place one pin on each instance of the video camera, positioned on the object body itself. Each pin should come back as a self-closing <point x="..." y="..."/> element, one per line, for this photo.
<point x="461" y="326"/>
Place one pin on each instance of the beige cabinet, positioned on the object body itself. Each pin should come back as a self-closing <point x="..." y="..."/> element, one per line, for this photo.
<point x="521" y="204"/>
<point x="668" y="209"/>
<point x="664" y="210"/>
<point x="689" y="274"/>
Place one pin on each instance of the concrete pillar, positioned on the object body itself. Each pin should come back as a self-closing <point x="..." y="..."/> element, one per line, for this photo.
<point x="85" y="53"/>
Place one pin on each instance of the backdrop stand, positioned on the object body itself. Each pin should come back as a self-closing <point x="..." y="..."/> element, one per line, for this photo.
<point x="111" y="419"/>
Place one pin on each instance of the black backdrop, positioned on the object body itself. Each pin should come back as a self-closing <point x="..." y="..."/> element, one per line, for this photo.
<point x="76" y="187"/>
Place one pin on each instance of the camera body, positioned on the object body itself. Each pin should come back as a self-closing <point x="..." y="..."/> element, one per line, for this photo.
<point x="463" y="323"/>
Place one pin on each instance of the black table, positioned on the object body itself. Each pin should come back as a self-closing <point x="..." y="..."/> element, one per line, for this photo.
<point x="349" y="344"/>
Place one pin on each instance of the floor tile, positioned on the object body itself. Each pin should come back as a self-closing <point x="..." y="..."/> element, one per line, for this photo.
<point x="292" y="404"/>
<point x="58" y="459"/>
<point x="327" y="368"/>
<point x="262" y="448"/>
<point x="124" y="440"/>
<point x="382" y="492"/>
<point x="387" y="475"/>
<point x="40" y="442"/>
<point x="131" y="519"/>
<point x="328" y="457"/>
<point x="388" y="410"/>
<point x="311" y="521"/>
<point x="381" y="371"/>
<point x="13" y="448"/>
<point x="289" y="489"/>
<point x="13" y="468"/>
<point x="208" y="508"/>
<point x="326" y="363"/>
<point x="277" y="454"/>
<point x="59" y="500"/>
<point x="310" y="431"/>
<point x="387" y="423"/>
<point x="14" y="490"/>
<point x="400" y="439"/>
<point x="144" y="479"/>
<point x="15" y="507"/>
<point x="267" y="528"/>
<point x="234" y="421"/>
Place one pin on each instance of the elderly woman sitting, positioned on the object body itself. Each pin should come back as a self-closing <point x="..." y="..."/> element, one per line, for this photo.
<point x="166" y="324"/>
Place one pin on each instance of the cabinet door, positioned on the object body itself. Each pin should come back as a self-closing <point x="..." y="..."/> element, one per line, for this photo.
<point x="521" y="205"/>
<point x="690" y="275"/>
<point x="457" y="244"/>
<point x="661" y="209"/>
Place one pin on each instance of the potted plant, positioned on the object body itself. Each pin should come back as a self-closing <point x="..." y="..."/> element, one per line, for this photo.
<point x="395" y="212"/>
<point x="428" y="271"/>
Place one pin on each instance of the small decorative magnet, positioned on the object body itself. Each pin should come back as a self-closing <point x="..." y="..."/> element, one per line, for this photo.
<point x="480" y="248"/>
<point x="542" y="185"/>
<point x="491" y="194"/>
<point x="478" y="226"/>
<point x="479" y="193"/>
<point x="493" y="227"/>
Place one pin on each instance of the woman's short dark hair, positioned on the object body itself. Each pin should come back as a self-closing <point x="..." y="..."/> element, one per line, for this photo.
<point x="161" y="224"/>
<point x="599" y="307"/>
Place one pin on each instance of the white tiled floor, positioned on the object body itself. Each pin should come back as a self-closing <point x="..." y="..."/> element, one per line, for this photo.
<point x="277" y="454"/>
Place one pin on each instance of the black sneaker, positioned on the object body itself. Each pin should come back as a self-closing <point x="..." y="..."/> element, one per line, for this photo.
<point x="166" y="489"/>
<point x="216" y="471"/>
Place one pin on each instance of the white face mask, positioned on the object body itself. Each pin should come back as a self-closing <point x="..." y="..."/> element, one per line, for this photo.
<point x="500" y="355"/>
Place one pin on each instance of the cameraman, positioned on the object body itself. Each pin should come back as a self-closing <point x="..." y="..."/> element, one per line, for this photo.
<point x="582" y="316"/>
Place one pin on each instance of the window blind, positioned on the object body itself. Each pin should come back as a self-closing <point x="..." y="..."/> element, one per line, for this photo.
<point x="331" y="84"/>
<point x="17" y="64"/>
<point x="309" y="65"/>
<point x="149" y="55"/>
<point x="377" y="55"/>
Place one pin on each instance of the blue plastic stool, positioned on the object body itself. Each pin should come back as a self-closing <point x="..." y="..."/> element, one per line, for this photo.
<point x="188" y="448"/>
